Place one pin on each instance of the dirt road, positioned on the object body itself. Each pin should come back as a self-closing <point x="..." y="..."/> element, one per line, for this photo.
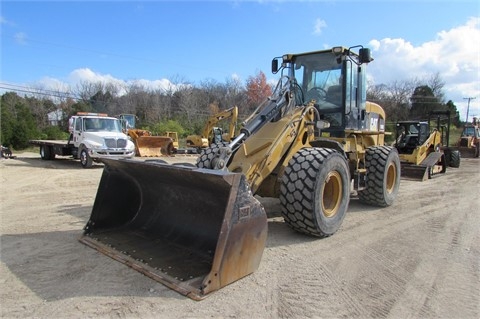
<point x="419" y="258"/>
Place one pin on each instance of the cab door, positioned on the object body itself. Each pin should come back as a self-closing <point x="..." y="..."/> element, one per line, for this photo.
<point x="77" y="130"/>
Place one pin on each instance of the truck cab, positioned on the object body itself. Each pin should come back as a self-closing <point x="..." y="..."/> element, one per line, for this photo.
<point x="96" y="135"/>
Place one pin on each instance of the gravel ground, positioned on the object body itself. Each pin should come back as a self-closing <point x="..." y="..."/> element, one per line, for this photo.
<point x="418" y="258"/>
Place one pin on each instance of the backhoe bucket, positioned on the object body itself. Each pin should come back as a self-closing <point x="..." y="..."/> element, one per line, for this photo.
<point x="151" y="146"/>
<point x="194" y="230"/>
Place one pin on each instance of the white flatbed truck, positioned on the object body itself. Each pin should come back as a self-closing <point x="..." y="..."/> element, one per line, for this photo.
<point x="93" y="136"/>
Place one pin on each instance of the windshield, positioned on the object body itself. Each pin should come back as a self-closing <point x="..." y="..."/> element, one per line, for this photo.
<point x="128" y="121"/>
<point x="101" y="125"/>
<point x="320" y="77"/>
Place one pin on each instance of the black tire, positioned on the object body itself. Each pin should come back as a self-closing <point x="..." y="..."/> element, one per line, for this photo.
<point x="382" y="179"/>
<point x="477" y="150"/>
<point x="85" y="159"/>
<point x="454" y="159"/>
<point x="52" y="153"/>
<point x="208" y="154"/>
<point x="45" y="152"/>
<point x="315" y="191"/>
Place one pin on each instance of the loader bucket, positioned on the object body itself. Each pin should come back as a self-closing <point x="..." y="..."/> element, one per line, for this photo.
<point x="151" y="146"/>
<point x="414" y="172"/>
<point x="433" y="164"/>
<point x="468" y="152"/>
<point x="194" y="230"/>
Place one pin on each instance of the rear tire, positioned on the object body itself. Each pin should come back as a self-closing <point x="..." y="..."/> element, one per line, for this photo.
<point x="383" y="176"/>
<point x="315" y="191"/>
<point x="45" y="152"/>
<point x="85" y="159"/>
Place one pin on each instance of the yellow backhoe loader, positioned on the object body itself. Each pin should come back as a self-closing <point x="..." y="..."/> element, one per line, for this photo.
<point x="312" y="144"/>
<point x="469" y="141"/>
<point x="146" y="144"/>
<point x="213" y="134"/>
<point x="424" y="151"/>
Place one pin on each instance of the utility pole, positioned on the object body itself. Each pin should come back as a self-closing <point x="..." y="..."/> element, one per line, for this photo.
<point x="468" y="106"/>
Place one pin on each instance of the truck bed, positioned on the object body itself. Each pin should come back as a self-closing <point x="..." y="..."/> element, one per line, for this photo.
<point x="50" y="148"/>
<point x="49" y="142"/>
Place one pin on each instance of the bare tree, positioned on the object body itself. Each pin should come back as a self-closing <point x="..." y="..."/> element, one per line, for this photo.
<point x="436" y="83"/>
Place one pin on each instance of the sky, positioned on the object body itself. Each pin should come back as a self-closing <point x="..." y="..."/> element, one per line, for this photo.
<point x="57" y="45"/>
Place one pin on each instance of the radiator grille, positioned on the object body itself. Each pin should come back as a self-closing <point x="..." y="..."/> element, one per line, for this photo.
<point x="115" y="143"/>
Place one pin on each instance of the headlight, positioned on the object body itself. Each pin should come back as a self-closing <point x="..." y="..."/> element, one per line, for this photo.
<point x="96" y="146"/>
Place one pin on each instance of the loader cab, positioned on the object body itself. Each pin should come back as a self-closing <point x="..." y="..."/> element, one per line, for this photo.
<point x="334" y="80"/>
<point x="128" y="121"/>
<point x="410" y="135"/>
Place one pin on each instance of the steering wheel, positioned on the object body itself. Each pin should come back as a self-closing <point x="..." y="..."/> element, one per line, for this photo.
<point x="316" y="93"/>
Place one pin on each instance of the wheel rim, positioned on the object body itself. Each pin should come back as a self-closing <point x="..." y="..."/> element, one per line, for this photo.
<point x="332" y="194"/>
<point x="83" y="158"/>
<point x="391" y="178"/>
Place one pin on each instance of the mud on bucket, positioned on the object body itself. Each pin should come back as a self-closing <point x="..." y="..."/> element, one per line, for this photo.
<point x="194" y="230"/>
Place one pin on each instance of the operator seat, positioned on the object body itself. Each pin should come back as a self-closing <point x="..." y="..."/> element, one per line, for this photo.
<point x="334" y="94"/>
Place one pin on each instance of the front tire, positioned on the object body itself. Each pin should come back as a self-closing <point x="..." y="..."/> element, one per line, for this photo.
<point x="85" y="159"/>
<point x="454" y="159"/>
<point x="315" y="191"/>
<point x="383" y="176"/>
<point x="205" y="160"/>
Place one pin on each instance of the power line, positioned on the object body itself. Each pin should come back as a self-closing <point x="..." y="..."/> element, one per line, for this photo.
<point x="26" y="89"/>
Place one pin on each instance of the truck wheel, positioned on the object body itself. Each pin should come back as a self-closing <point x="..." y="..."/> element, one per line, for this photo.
<point x="52" y="152"/>
<point x="208" y="154"/>
<point x="85" y="159"/>
<point x="454" y="159"/>
<point x="315" y="191"/>
<point x="45" y="152"/>
<point x="383" y="176"/>
<point x="477" y="150"/>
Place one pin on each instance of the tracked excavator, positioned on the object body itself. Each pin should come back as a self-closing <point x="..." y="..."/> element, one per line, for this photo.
<point x="213" y="134"/>
<point x="314" y="143"/>
<point x="146" y="144"/>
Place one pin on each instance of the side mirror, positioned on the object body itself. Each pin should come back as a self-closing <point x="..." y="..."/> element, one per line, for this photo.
<point x="275" y="66"/>
<point x="365" y="56"/>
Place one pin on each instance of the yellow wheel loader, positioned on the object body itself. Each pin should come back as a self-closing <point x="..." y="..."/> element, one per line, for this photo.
<point x="312" y="144"/>
<point x="213" y="134"/>
<point x="424" y="150"/>
<point x="146" y="144"/>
